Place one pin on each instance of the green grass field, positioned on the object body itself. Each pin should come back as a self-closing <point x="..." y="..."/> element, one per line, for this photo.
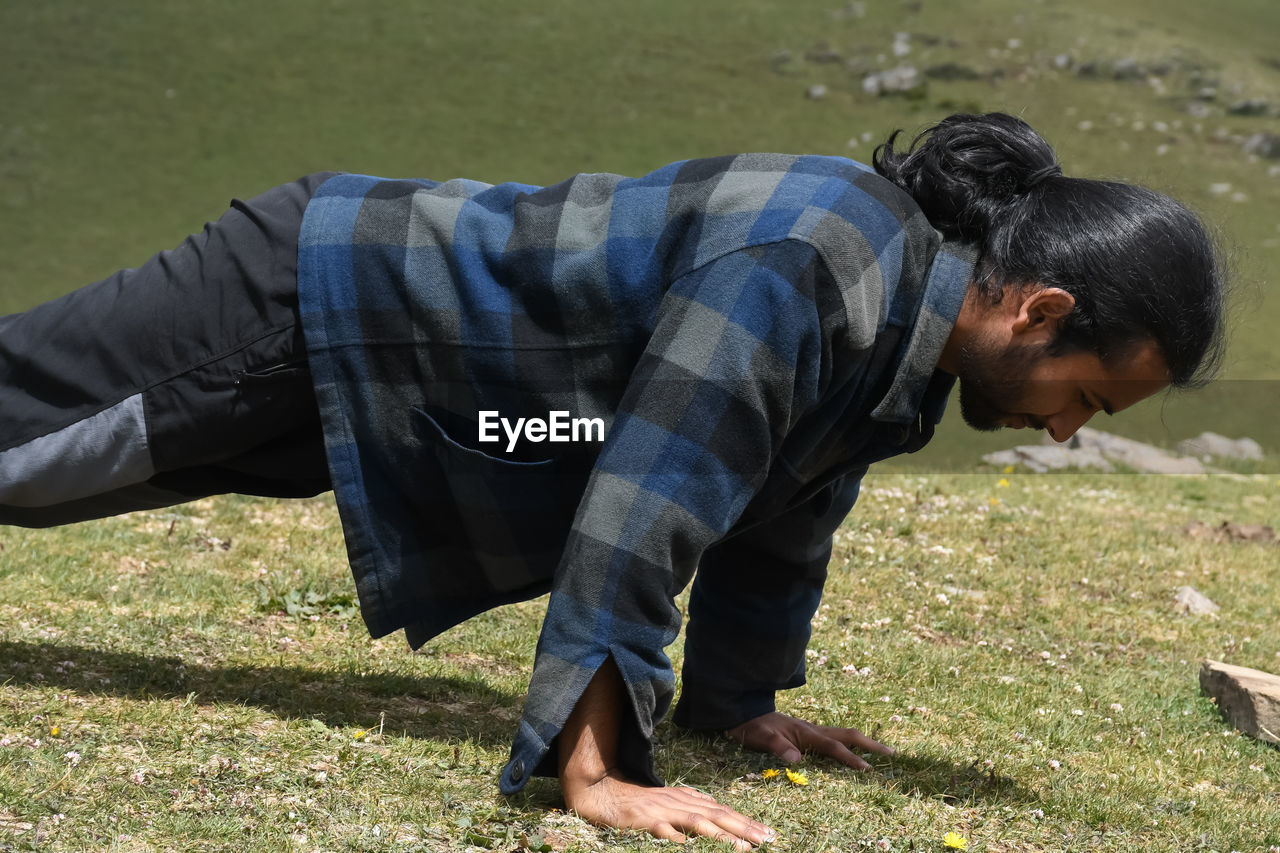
<point x="197" y="679"/>
<point x="210" y="684"/>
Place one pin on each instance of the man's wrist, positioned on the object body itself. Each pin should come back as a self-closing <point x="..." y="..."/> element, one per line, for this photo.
<point x="588" y="743"/>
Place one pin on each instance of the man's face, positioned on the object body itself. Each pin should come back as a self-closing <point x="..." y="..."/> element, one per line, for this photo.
<point x="1018" y="385"/>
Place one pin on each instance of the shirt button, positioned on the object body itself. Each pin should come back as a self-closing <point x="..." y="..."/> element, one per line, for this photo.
<point x="517" y="770"/>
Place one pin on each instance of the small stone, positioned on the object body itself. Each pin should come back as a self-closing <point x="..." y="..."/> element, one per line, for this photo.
<point x="1063" y="61"/>
<point x="894" y="81"/>
<point x="1219" y="189"/>
<point x="1249" y="107"/>
<point x="1190" y="600"/>
<point x="1249" y="699"/>
<point x="816" y="92"/>
<point x="1263" y="145"/>
<point x="1127" y="69"/>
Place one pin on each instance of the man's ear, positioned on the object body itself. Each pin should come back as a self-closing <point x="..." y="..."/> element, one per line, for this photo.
<point x="1042" y="310"/>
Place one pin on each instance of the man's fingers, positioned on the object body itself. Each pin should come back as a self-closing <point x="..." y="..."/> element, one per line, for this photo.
<point x="833" y="748"/>
<point x="855" y="738"/>
<point x="667" y="831"/>
<point x="771" y="740"/>
<point x="712" y="826"/>
<point x="676" y="812"/>
<point x="726" y="820"/>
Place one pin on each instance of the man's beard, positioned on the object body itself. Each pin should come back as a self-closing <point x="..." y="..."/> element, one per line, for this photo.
<point x="994" y="380"/>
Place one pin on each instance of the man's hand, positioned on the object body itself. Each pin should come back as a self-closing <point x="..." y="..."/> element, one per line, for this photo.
<point x="789" y="738"/>
<point x="595" y="789"/>
<point x="672" y="813"/>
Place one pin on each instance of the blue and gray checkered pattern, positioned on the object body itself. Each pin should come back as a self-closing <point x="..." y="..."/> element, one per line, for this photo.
<point x="753" y="330"/>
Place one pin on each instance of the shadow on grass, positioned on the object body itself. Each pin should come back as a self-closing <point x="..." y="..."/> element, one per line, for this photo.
<point x="706" y="761"/>
<point x="449" y="709"/>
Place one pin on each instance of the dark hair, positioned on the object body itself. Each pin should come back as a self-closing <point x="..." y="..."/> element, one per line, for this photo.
<point x="1140" y="265"/>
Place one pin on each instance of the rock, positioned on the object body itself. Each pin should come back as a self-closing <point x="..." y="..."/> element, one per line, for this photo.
<point x="1249" y="699"/>
<point x="1263" y="145"/>
<point x="1193" y="601"/>
<point x="951" y="71"/>
<point x="1041" y="458"/>
<point x="1063" y="61"/>
<point x="1132" y="454"/>
<point x="1249" y="107"/>
<point x="1091" y="448"/>
<point x="1127" y="69"/>
<point x="894" y="81"/>
<point x="816" y="92"/>
<point x="1210" y="444"/>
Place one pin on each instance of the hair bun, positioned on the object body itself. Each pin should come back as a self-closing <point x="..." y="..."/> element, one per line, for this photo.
<point x="967" y="169"/>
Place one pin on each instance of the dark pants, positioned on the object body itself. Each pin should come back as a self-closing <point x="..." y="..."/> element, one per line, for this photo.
<point x="183" y="378"/>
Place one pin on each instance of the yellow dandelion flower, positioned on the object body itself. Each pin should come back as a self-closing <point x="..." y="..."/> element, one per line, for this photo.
<point x="54" y="731"/>
<point x="797" y="778"/>
<point x="359" y="734"/>
<point x="1008" y="469"/>
<point x="994" y="502"/>
<point x="771" y="773"/>
<point x="955" y="841"/>
<point x="1003" y="484"/>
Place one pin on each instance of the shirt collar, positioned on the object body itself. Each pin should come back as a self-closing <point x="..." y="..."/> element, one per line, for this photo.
<point x="945" y="286"/>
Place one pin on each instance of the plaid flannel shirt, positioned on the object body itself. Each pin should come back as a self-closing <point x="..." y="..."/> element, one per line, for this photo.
<point x="753" y="331"/>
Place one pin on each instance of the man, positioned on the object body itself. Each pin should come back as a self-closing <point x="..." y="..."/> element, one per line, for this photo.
<point x="750" y="333"/>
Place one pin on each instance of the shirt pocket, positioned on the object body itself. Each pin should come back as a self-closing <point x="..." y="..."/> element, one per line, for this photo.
<point x="511" y="518"/>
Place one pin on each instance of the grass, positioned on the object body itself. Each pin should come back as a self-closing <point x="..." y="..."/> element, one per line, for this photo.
<point x="212" y="687"/>
<point x="219" y="697"/>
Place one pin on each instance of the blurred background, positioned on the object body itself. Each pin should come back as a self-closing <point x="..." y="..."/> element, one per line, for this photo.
<point x="126" y="125"/>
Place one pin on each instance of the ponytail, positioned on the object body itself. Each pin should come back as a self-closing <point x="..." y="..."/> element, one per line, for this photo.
<point x="1140" y="265"/>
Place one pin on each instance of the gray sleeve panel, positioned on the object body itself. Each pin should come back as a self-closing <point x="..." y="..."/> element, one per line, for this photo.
<point x="98" y="454"/>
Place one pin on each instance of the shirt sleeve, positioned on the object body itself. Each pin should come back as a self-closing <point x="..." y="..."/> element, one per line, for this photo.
<point x="737" y="355"/>
<point x="750" y="610"/>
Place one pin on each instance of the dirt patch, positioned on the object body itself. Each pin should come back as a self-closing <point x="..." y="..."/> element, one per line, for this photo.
<point x="1230" y="531"/>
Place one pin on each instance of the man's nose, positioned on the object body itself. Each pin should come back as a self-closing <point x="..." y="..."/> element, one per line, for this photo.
<point x="1064" y="424"/>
